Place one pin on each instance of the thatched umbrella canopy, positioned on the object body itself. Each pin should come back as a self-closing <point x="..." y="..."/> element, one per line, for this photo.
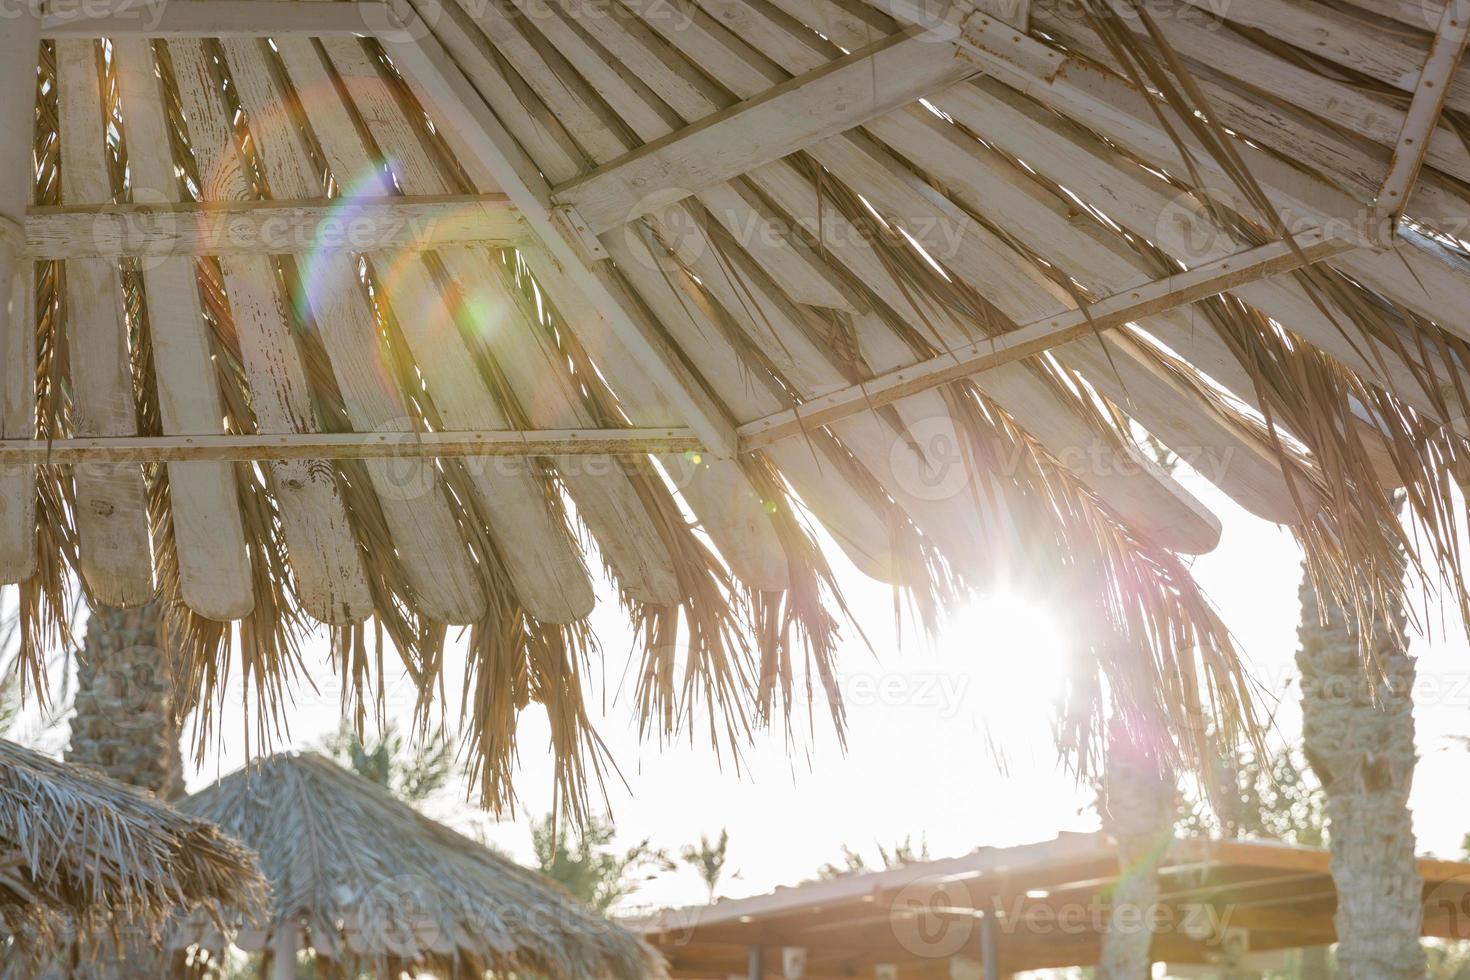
<point x="81" y="855"/>
<point x="383" y="320"/>
<point x="369" y="883"/>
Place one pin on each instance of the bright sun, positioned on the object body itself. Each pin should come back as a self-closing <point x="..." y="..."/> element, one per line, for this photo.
<point x="1012" y="651"/>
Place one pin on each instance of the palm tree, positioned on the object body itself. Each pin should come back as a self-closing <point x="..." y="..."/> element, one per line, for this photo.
<point x="1137" y="803"/>
<point x="1358" y="733"/>
<point x="586" y="864"/>
<point x="128" y="720"/>
<point x="708" y="859"/>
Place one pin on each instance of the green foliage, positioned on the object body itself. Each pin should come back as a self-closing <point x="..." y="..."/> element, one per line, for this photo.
<point x="587" y="865"/>
<point x="411" y="772"/>
<point x="902" y="853"/>
<point x="1271" y="798"/>
<point x="708" y="859"/>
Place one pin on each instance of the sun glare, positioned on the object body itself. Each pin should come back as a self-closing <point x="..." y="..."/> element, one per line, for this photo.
<point x="1014" y="651"/>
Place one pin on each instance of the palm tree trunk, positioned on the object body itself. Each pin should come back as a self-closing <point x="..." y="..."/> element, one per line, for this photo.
<point x="127" y="723"/>
<point x="1138" y="807"/>
<point x="1358" y="730"/>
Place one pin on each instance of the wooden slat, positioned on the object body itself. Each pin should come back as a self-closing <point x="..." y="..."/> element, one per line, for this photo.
<point x="111" y="501"/>
<point x="802" y="273"/>
<point x="1142" y="493"/>
<point x="1125" y="373"/>
<point x="731" y="511"/>
<point x="442" y="84"/>
<point x="1040" y="336"/>
<point x="1430" y="91"/>
<point x="539" y="551"/>
<point x="1122" y="372"/>
<point x="503" y="443"/>
<point x="842" y="94"/>
<point x="1108" y="105"/>
<point x="425" y="535"/>
<point x="19" y="43"/>
<point x="211" y="18"/>
<point x="320" y="544"/>
<point x="1388" y="56"/>
<point x="270" y="227"/>
<point x="209" y="537"/>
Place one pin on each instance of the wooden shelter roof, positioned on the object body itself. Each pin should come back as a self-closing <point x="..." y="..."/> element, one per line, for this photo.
<point x="84" y="857"/>
<point x="1049" y="902"/>
<point x="382" y="314"/>
<point x="371" y="885"/>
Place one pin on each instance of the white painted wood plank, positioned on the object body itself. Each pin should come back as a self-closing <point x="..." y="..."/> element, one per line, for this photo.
<point x="1143" y="494"/>
<point x="802" y="274"/>
<point x="829" y="100"/>
<point x="737" y="522"/>
<point x="539" y="551"/>
<point x="17" y="421"/>
<point x="111" y="515"/>
<point x="209" y="537"/>
<point x="306" y="446"/>
<point x="320" y="544"/>
<point x="18" y="46"/>
<point x="425" y="535"/>
<point x="439" y="82"/>
<point x="1119" y="370"/>
<point x="270" y="227"/>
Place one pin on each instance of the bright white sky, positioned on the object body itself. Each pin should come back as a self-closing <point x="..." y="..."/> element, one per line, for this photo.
<point x="920" y="761"/>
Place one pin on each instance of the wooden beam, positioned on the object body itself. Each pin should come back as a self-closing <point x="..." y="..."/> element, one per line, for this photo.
<point x="19" y="42"/>
<point x="271" y="227"/>
<point x="212" y="18"/>
<point x="832" y="99"/>
<point x="1042" y="335"/>
<point x="348" y="445"/>
<point x="437" y="80"/>
<point x="1422" y="119"/>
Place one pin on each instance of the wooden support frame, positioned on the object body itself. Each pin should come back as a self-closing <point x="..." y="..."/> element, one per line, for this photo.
<point x="1039" y="336"/>
<point x="439" y="81"/>
<point x="271" y="227"/>
<point x="212" y="18"/>
<point x="1425" y="108"/>
<point x="348" y="445"/>
<point x="895" y="71"/>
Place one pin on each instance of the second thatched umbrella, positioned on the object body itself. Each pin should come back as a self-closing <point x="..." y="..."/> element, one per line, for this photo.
<point x="83" y="857"/>
<point x="370" y="884"/>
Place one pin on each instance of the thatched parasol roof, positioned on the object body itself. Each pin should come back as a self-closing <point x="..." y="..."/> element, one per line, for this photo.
<point x="483" y="283"/>
<point x="369" y="883"/>
<point x="81" y="854"/>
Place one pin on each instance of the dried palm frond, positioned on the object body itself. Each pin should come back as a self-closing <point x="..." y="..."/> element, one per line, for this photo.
<point x="83" y="857"/>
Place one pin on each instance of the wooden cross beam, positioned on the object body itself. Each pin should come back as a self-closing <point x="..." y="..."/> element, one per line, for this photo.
<point x="1034" y="338"/>
<point x="894" y="72"/>
<point x="438" y="81"/>
<point x="1425" y="108"/>
<point x="347" y="445"/>
<point x="271" y="227"/>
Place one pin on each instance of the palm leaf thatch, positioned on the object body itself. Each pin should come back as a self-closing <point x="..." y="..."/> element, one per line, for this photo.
<point x="84" y="858"/>
<point x="367" y="883"/>
<point x="793" y="217"/>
